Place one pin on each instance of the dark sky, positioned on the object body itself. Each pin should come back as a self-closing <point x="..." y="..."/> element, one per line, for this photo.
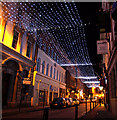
<point x="89" y="12"/>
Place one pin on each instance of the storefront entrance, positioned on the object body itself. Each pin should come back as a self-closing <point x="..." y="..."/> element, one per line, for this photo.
<point x="43" y="98"/>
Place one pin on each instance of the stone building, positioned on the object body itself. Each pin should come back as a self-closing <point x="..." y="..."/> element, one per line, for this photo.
<point x="18" y="47"/>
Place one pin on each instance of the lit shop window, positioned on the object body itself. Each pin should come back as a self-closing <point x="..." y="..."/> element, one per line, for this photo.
<point x="15" y="38"/>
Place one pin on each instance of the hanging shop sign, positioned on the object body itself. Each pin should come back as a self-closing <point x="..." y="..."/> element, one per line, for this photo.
<point x="27" y="81"/>
<point x="102" y="47"/>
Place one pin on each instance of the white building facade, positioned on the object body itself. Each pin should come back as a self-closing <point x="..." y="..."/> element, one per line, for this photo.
<point x="48" y="80"/>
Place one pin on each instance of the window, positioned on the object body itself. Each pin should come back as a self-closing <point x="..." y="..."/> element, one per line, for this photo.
<point x="62" y="78"/>
<point x="38" y="64"/>
<point x="57" y="75"/>
<point x="55" y="57"/>
<point x="43" y="67"/>
<point x="15" y="38"/>
<point x="28" y="48"/>
<point x="51" y="71"/>
<point x="47" y="68"/>
<point x="54" y="73"/>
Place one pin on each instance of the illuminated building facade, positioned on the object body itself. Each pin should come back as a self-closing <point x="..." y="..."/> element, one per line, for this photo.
<point x="49" y="80"/>
<point x="31" y="74"/>
<point x="75" y="88"/>
<point x="17" y="62"/>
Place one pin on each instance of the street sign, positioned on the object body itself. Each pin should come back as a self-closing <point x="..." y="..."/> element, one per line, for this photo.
<point x="27" y="81"/>
<point x="102" y="47"/>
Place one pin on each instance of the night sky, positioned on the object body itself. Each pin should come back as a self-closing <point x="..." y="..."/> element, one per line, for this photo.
<point x="89" y="12"/>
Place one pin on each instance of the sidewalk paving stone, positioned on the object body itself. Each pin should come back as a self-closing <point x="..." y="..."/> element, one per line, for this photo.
<point x="98" y="113"/>
<point x="12" y="111"/>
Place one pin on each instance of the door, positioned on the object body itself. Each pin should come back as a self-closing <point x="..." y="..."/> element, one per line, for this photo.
<point x="5" y="88"/>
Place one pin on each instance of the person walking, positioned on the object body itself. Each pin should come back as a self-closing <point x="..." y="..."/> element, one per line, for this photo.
<point x="100" y="101"/>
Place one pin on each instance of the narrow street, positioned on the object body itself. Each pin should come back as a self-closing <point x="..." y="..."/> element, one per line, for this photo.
<point x="66" y="113"/>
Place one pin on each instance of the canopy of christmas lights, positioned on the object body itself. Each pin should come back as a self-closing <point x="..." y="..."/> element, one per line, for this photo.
<point x="60" y="22"/>
<point x="91" y="82"/>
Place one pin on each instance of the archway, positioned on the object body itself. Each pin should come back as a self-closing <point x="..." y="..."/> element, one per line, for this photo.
<point x="9" y="71"/>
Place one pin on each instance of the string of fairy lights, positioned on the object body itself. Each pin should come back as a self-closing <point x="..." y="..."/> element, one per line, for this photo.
<point x="62" y="26"/>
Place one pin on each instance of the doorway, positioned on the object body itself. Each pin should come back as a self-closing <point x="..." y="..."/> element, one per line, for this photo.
<point x="5" y="88"/>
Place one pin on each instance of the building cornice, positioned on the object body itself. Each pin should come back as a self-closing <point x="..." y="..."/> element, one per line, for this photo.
<point x="14" y="54"/>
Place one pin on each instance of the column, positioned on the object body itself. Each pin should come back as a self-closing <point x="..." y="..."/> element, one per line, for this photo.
<point x="15" y="86"/>
<point x="52" y="95"/>
<point x="58" y="92"/>
<point x="48" y="94"/>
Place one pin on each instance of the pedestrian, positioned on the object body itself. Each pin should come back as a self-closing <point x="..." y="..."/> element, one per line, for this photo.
<point x="100" y="101"/>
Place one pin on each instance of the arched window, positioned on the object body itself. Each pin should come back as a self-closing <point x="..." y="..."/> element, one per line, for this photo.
<point x="43" y="67"/>
<point x="54" y="73"/>
<point x="38" y="64"/>
<point x="51" y="71"/>
<point x="47" y="68"/>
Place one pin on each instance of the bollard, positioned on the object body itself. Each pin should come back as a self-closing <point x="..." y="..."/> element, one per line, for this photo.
<point x="76" y="112"/>
<point x="45" y="114"/>
<point x="86" y="106"/>
<point x="93" y="104"/>
<point x="90" y="105"/>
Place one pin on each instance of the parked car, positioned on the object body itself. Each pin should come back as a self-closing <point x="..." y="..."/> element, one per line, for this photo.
<point x="84" y="100"/>
<point x="71" y="101"/>
<point x="58" y="103"/>
<point x="76" y="101"/>
<point x="67" y="102"/>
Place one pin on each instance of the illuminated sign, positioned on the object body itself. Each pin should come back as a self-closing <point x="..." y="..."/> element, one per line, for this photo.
<point x="27" y="81"/>
<point x="102" y="47"/>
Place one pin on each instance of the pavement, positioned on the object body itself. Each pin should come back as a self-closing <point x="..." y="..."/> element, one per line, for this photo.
<point x="98" y="113"/>
<point x="12" y="111"/>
